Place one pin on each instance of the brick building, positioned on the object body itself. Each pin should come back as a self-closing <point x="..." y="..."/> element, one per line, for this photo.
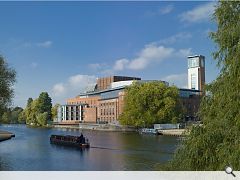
<point x="105" y="102"/>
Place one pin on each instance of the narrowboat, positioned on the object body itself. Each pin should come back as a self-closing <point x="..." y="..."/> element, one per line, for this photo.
<point x="67" y="140"/>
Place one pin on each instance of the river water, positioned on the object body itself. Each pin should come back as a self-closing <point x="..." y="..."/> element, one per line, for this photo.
<point x="110" y="151"/>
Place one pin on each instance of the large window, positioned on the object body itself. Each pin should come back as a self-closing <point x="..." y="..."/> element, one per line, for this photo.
<point x="193" y="62"/>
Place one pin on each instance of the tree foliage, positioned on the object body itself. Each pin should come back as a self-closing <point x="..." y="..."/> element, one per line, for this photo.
<point x="38" y="111"/>
<point x="11" y="116"/>
<point x="7" y="79"/>
<point x="216" y="144"/>
<point x="45" y="104"/>
<point x="150" y="103"/>
<point x="55" y="110"/>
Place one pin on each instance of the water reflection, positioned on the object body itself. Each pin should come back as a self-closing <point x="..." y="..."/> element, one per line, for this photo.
<point x="31" y="150"/>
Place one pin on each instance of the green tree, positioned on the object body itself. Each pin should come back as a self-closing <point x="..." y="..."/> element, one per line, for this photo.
<point x="150" y="103"/>
<point x="22" y="117"/>
<point x="36" y="110"/>
<point x="7" y="79"/>
<point x="5" y="118"/>
<point x="45" y="104"/>
<point x="29" y="102"/>
<point x="14" y="114"/>
<point x="42" y="118"/>
<point x="54" y="111"/>
<point x="216" y="144"/>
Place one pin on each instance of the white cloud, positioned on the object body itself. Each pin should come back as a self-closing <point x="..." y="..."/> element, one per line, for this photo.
<point x="81" y="81"/>
<point x="45" y="44"/>
<point x="199" y="14"/>
<point x="167" y="9"/>
<point x="58" y="89"/>
<point x="182" y="36"/>
<point x="72" y="87"/>
<point x="184" y="52"/>
<point x="120" y="64"/>
<point x="95" y="66"/>
<point x="179" y="80"/>
<point x="150" y="54"/>
<point x="161" y="11"/>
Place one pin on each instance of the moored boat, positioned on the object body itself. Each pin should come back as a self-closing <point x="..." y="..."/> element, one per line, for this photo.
<point x="68" y="140"/>
<point x="149" y="131"/>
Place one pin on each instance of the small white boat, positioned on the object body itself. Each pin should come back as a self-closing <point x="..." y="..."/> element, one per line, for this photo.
<point x="149" y="131"/>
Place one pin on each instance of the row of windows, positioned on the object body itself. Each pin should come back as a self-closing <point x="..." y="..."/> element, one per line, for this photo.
<point x="67" y="119"/>
<point x="107" y="104"/>
<point x="83" y="102"/>
<point x="109" y="111"/>
<point x="107" y="118"/>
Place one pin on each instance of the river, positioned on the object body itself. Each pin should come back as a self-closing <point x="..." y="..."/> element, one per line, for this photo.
<point x="30" y="150"/>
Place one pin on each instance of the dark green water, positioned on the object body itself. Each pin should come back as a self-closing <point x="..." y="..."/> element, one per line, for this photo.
<point x="114" y="151"/>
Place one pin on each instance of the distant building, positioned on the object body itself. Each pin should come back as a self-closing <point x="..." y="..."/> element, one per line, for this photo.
<point x="105" y="102"/>
<point x="196" y="72"/>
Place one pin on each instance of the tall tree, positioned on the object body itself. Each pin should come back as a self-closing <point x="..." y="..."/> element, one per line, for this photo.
<point x="45" y="104"/>
<point x="38" y="111"/>
<point x="7" y="79"/>
<point x="216" y="144"/>
<point x="149" y="103"/>
<point x="29" y="101"/>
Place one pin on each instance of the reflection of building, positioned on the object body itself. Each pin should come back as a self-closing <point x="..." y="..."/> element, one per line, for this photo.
<point x="196" y="72"/>
<point x="105" y="102"/>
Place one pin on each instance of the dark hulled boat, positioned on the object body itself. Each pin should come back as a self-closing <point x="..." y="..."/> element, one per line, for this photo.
<point x="67" y="140"/>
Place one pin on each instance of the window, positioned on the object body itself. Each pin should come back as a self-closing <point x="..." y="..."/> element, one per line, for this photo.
<point x="193" y="62"/>
<point x="193" y="81"/>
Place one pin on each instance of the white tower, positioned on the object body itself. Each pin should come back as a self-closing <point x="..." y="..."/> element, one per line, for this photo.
<point x="196" y="72"/>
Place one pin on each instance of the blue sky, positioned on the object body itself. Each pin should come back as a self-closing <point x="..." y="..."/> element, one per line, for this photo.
<point x="60" y="47"/>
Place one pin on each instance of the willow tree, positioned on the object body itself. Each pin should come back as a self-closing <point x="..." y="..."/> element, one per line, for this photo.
<point x="7" y="79"/>
<point x="150" y="103"/>
<point x="216" y="144"/>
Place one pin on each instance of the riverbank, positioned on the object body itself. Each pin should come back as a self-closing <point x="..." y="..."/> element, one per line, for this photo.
<point x="99" y="127"/>
<point x="5" y="135"/>
<point x="173" y="132"/>
<point x="119" y="128"/>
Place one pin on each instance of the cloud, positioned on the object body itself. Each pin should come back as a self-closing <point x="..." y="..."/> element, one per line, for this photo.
<point x="182" y="36"/>
<point x="74" y="85"/>
<point x="179" y="80"/>
<point x="198" y="14"/>
<point x="150" y="54"/>
<point x="95" y="66"/>
<point x="45" y="44"/>
<point x="120" y="64"/>
<point x="167" y="9"/>
<point x="161" y="11"/>
<point x="58" y="89"/>
<point x="81" y="81"/>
